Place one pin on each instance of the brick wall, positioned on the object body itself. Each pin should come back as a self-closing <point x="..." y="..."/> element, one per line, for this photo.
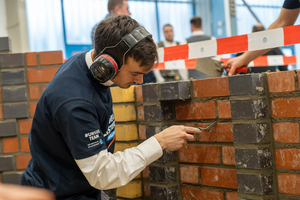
<point x="253" y="151"/>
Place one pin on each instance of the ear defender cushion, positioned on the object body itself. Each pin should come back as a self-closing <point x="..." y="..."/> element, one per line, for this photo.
<point x="104" y="68"/>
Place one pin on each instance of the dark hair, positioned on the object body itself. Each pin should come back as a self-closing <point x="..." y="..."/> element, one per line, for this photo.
<point x="167" y="25"/>
<point x="114" y="3"/>
<point x="109" y="32"/>
<point x="258" y="27"/>
<point x="196" y="22"/>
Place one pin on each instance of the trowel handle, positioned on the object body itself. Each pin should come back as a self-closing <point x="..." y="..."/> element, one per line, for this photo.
<point x="243" y="69"/>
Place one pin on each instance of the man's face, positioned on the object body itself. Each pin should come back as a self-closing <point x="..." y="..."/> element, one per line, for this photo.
<point x="168" y="32"/>
<point x="122" y="10"/>
<point x="130" y="74"/>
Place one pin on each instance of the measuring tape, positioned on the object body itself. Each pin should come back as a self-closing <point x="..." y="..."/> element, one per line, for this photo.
<point x="185" y="56"/>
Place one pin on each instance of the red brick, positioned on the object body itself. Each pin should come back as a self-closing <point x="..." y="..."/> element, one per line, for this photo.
<point x="195" y="110"/>
<point x="24" y="144"/>
<point x="232" y="196"/>
<point x="0" y="111"/>
<point x="287" y="158"/>
<point x="138" y="93"/>
<point x="212" y="87"/>
<point x="224" y="109"/>
<point x="51" y="57"/>
<point x="146" y="186"/>
<point x="285" y="107"/>
<point x="189" y="174"/>
<point x="34" y="92"/>
<point x="281" y="82"/>
<point x="289" y="183"/>
<point x="286" y="132"/>
<point x="199" y="154"/>
<point x="140" y="110"/>
<point x="221" y="132"/>
<point x="41" y="75"/>
<point x="10" y="145"/>
<point x="146" y="172"/>
<point x="31" y="59"/>
<point x="25" y="126"/>
<point x="228" y="155"/>
<point x="196" y="193"/>
<point x="22" y="161"/>
<point x="43" y="88"/>
<point x="219" y="177"/>
<point x="32" y="108"/>
<point x="142" y="132"/>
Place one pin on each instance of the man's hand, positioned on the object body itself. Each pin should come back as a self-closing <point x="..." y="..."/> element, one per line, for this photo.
<point x="174" y="137"/>
<point x="235" y="63"/>
<point x="16" y="192"/>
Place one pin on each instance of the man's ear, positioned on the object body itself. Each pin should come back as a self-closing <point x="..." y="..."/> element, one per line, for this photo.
<point x="116" y="10"/>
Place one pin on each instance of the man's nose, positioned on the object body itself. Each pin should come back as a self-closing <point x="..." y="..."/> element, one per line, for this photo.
<point x="139" y="79"/>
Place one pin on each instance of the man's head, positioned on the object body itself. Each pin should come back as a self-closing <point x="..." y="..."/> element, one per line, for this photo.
<point x="168" y="32"/>
<point x="138" y="60"/>
<point x="258" y="27"/>
<point x="196" y="24"/>
<point x="118" y="7"/>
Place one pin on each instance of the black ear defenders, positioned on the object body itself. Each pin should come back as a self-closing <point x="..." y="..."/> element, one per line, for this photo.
<point x="105" y="66"/>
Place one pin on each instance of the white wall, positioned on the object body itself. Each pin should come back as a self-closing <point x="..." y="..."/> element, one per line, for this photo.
<point x="3" y="29"/>
<point x="14" y="24"/>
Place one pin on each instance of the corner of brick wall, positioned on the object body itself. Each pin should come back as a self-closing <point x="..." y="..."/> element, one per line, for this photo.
<point x="23" y="78"/>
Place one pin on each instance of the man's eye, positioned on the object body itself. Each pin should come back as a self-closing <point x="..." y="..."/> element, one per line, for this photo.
<point x="133" y="74"/>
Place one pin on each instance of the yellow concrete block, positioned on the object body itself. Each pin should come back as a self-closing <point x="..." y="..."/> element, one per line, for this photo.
<point x="131" y="190"/>
<point x="122" y="95"/>
<point x="123" y="146"/>
<point x="126" y="132"/>
<point x="124" y="113"/>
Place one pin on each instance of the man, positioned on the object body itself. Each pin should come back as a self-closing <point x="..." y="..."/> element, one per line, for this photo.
<point x="72" y="137"/>
<point x="114" y="7"/>
<point x="274" y="51"/>
<point x="197" y="36"/>
<point x="168" y="42"/>
<point x="287" y="17"/>
<point x="169" y="35"/>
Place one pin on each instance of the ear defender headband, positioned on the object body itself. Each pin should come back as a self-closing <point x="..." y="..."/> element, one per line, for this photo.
<point x="105" y="66"/>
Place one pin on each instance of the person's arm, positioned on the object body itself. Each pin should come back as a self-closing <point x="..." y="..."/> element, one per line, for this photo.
<point x="105" y="170"/>
<point x="287" y="17"/>
<point x="16" y="192"/>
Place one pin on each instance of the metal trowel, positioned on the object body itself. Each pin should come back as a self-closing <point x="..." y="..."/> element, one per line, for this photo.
<point x="214" y="68"/>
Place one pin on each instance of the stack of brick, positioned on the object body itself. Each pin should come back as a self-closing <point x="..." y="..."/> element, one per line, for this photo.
<point x="23" y="78"/>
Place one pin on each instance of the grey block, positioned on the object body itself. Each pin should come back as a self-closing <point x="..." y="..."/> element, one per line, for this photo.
<point x="175" y="90"/>
<point x="164" y="193"/>
<point x="19" y="110"/>
<point x="246" y="84"/>
<point x="5" y="44"/>
<point x="150" y="92"/>
<point x="6" y="163"/>
<point x="250" y="133"/>
<point x="13" y="77"/>
<point x="253" y="158"/>
<point x="163" y="174"/>
<point x="11" y="178"/>
<point x="11" y="60"/>
<point x="158" y="112"/>
<point x="168" y="156"/>
<point x="248" y="109"/>
<point x="258" y="198"/>
<point x="261" y="184"/>
<point x="14" y="94"/>
<point x="152" y="130"/>
<point x="8" y="128"/>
